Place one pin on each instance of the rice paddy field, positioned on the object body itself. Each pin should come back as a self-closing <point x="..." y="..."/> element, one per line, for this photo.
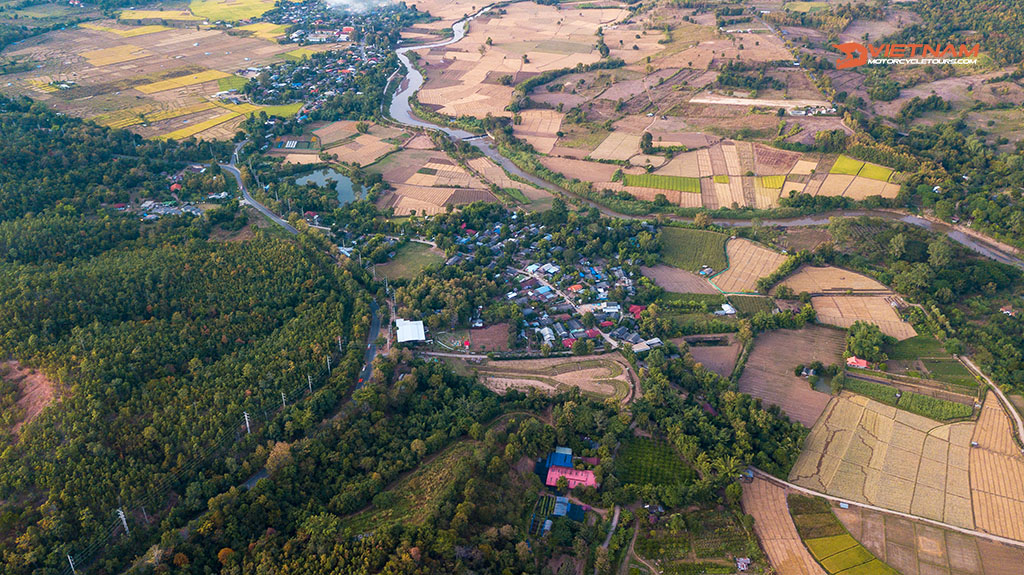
<point x="917" y="548"/>
<point x="748" y="262"/>
<point x="766" y="503"/>
<point x="153" y="80"/>
<point x="996" y="469"/>
<point x="866" y="451"/>
<point x="673" y="183"/>
<point x="829" y="542"/>
<point x="689" y="249"/>
<point x="843" y="311"/>
<point x="832" y="280"/>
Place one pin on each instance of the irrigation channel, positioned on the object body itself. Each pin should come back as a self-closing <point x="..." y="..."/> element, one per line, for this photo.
<point x="401" y="111"/>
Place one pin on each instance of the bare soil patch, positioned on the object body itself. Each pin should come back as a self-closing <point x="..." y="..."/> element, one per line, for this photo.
<point x="35" y="391"/>
<point x="768" y="374"/>
<point x="678" y="281"/>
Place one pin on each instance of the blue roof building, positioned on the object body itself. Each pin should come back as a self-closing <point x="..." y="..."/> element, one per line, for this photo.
<point x="560" y="457"/>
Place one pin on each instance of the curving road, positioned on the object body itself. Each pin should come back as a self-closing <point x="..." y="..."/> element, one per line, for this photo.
<point x="1007" y="405"/>
<point x="230" y="168"/>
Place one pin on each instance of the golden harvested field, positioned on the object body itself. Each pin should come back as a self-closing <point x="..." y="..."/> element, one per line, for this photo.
<point x="124" y="31"/>
<point x="997" y="474"/>
<point x="528" y="38"/>
<point x="866" y="451"/>
<point x="766" y="503"/>
<point x="580" y="169"/>
<point x="539" y="128"/>
<point x="494" y="174"/>
<point x="804" y="167"/>
<point x="182" y="81"/>
<point x="769" y="377"/>
<point x="364" y="149"/>
<point x="599" y="377"/>
<point x="916" y="548"/>
<point x="114" y="55"/>
<point x="106" y="66"/>
<point x="843" y="311"/>
<point x="861" y="188"/>
<point x="617" y="146"/>
<point x="748" y="262"/>
<point x="828" y="279"/>
<point x="335" y="132"/>
<point x="265" y="30"/>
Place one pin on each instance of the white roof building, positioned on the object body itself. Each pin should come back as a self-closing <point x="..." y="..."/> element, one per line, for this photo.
<point x="410" y="330"/>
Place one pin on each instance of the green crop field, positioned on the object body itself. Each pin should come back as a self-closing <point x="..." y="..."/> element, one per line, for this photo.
<point x="673" y="183"/>
<point x="805" y="6"/>
<point x="647" y="462"/>
<point x="750" y="305"/>
<point x="875" y="172"/>
<point x="950" y="371"/>
<point x="231" y="83"/>
<point x="829" y="542"/>
<point x="846" y="165"/>
<point x="930" y="407"/>
<point x="772" y="182"/>
<point x="721" y="179"/>
<point x="689" y="249"/>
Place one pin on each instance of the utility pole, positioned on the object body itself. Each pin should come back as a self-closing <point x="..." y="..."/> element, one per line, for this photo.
<point x="72" y="563"/>
<point x="284" y="404"/>
<point x="328" y="364"/>
<point x="309" y="380"/>
<point x="339" y="345"/>
<point x="124" y="521"/>
<point x="247" y="430"/>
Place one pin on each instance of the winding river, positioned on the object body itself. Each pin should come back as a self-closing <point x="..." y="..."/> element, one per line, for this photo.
<point x="401" y="111"/>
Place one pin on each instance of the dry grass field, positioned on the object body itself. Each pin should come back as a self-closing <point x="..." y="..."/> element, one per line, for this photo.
<point x="720" y="359"/>
<point x="916" y="548"/>
<point x="769" y="377"/>
<point x="831" y="280"/>
<point x="598" y="377"/>
<point x="617" y="146"/>
<point x="766" y="503"/>
<point x="35" y="391"/>
<point x="676" y="280"/>
<point x="997" y="474"/>
<point x="364" y="149"/>
<point x="866" y="451"/>
<point x="843" y="311"/>
<point x="176" y="69"/>
<point x="539" y="128"/>
<point x="748" y="262"/>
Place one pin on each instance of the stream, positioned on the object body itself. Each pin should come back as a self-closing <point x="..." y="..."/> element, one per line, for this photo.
<point x="401" y="111"/>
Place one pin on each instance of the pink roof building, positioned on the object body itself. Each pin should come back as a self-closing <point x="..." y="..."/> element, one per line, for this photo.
<point x="575" y="477"/>
<point x="857" y="362"/>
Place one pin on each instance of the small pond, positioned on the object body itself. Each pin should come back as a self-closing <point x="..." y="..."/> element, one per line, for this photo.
<point x="331" y="178"/>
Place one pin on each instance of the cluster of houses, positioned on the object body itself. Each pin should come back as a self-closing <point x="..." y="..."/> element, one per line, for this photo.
<point x="153" y="210"/>
<point x="312" y="80"/>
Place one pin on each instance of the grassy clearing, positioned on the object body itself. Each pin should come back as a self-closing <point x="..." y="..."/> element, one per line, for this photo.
<point x="673" y="183"/>
<point x="846" y="165"/>
<point x="643" y="461"/>
<point x="689" y="249"/>
<point x="298" y="54"/>
<point x="130" y="33"/>
<point x="916" y="347"/>
<point x="930" y="407"/>
<point x="409" y="500"/>
<point x="805" y="7"/>
<point x="265" y="30"/>
<point x="875" y="172"/>
<point x="231" y="83"/>
<point x="750" y="305"/>
<point x="409" y="261"/>
<point x="772" y="182"/>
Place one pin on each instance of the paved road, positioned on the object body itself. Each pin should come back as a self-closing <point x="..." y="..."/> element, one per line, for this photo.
<point x="1009" y="408"/>
<point x="230" y="168"/>
<point x="963" y="530"/>
<point x="371" y="347"/>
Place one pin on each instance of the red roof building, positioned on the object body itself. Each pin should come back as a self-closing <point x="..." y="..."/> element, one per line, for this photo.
<point x="575" y="477"/>
<point x="607" y="323"/>
<point x="593" y="333"/>
<point x="575" y="287"/>
<point x="175" y="187"/>
<point x="567" y="342"/>
<point x="636" y="310"/>
<point x="857" y="362"/>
